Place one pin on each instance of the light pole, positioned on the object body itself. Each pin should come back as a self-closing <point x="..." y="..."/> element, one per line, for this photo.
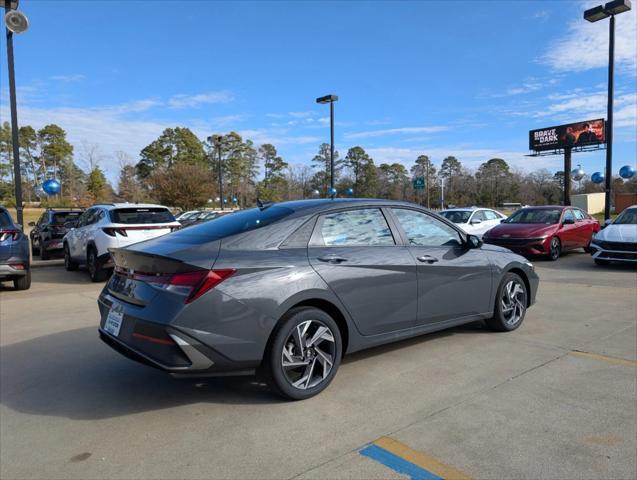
<point x="16" y="22"/>
<point x="593" y="15"/>
<point x="330" y="99"/>
<point x="216" y="141"/>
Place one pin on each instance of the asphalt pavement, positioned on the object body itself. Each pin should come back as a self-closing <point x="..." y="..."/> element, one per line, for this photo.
<point x="555" y="399"/>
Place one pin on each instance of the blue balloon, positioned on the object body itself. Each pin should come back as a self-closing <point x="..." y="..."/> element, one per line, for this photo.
<point x="331" y="191"/>
<point x="627" y="171"/>
<point x="51" y="187"/>
<point x="597" y="177"/>
<point x="349" y="191"/>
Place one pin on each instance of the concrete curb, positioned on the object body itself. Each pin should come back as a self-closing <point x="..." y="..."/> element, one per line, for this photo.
<point x="58" y="262"/>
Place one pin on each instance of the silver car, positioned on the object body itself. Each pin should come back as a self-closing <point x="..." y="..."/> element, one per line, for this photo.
<point x="287" y="289"/>
<point x="617" y="242"/>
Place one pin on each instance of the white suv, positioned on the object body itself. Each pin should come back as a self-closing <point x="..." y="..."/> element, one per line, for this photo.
<point x="111" y="225"/>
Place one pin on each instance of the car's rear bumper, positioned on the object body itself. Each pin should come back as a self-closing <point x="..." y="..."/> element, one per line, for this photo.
<point x="10" y="268"/>
<point x="165" y="346"/>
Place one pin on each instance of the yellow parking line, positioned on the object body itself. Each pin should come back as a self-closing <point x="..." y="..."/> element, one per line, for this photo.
<point x="420" y="459"/>
<point x="604" y="358"/>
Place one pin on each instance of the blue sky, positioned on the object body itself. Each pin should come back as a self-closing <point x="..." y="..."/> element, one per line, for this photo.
<point x="439" y="78"/>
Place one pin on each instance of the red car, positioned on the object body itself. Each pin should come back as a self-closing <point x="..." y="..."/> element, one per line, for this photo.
<point x="547" y="231"/>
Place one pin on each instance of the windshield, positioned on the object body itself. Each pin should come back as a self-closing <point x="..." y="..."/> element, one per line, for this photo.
<point x="5" y="220"/>
<point x="457" y="216"/>
<point x="627" y="217"/>
<point x="132" y="216"/>
<point x="548" y="216"/>
<point x="60" y="218"/>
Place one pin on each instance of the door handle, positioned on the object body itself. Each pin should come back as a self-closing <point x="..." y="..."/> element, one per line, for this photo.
<point x="427" y="259"/>
<point x="332" y="259"/>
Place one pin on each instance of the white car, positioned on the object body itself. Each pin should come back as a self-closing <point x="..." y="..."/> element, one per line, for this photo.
<point x="617" y="242"/>
<point x="474" y="220"/>
<point x="112" y="225"/>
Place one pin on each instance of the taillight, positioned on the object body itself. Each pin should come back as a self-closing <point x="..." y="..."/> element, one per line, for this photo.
<point x="112" y="231"/>
<point x="191" y="285"/>
<point x="12" y="234"/>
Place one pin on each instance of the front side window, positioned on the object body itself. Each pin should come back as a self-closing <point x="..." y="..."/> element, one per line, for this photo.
<point x="84" y="218"/>
<point x="424" y="230"/>
<point x="579" y="215"/>
<point x="479" y="215"/>
<point x="364" y="227"/>
<point x="490" y="215"/>
<point x="568" y="215"/>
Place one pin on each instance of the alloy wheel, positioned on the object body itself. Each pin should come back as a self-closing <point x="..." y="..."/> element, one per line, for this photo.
<point x="513" y="300"/>
<point x="308" y="354"/>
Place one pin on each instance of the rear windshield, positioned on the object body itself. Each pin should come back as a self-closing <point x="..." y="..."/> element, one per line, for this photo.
<point x="547" y="216"/>
<point x="456" y="216"/>
<point x="238" y="222"/>
<point x="141" y="215"/>
<point x="61" y="217"/>
<point x="5" y="220"/>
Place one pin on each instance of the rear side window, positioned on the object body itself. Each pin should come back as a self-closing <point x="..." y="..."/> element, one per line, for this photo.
<point x="479" y="215"/>
<point x="5" y="220"/>
<point x="60" y="217"/>
<point x="135" y="215"/>
<point x="364" y="227"/>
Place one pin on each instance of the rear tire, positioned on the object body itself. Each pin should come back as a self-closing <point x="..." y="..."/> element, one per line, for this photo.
<point x="510" y="304"/>
<point x="601" y="262"/>
<point x="95" y="270"/>
<point x="301" y="370"/>
<point x="24" y="282"/>
<point x="69" y="264"/>
<point x="34" y="250"/>
<point x="555" y="249"/>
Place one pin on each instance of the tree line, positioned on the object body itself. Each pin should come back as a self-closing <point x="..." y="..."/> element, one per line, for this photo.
<point x="180" y="170"/>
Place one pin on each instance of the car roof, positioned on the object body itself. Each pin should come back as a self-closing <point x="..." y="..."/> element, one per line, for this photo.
<point x="113" y="206"/>
<point x="465" y="209"/>
<point x="326" y="204"/>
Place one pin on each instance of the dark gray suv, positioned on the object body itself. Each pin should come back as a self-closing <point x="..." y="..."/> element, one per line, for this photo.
<point x="15" y="264"/>
<point x="287" y="289"/>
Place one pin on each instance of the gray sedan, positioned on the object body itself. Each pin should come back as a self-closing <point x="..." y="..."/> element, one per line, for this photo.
<point x="287" y="289"/>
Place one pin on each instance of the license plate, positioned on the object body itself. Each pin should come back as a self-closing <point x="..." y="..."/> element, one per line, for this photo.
<point x="114" y="322"/>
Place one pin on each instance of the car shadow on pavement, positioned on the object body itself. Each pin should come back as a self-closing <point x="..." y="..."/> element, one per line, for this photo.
<point x="73" y="374"/>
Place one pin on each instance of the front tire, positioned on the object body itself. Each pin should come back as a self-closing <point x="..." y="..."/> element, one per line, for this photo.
<point x="95" y="270"/>
<point x="510" y="304"/>
<point x="24" y="282"/>
<point x="304" y="355"/>
<point x="555" y="249"/>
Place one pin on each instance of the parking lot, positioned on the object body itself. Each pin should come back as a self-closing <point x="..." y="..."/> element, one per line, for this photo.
<point x="554" y="399"/>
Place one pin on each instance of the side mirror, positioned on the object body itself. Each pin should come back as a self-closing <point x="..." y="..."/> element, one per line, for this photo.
<point x="568" y="221"/>
<point x="31" y="224"/>
<point x="607" y="222"/>
<point x="476" y="221"/>
<point x="473" y="241"/>
<point x="503" y="220"/>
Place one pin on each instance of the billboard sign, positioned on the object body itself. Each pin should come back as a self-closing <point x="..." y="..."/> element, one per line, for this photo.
<point x="590" y="132"/>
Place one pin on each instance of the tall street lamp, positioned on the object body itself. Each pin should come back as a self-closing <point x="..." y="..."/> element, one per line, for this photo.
<point x="330" y="99"/>
<point x="216" y="141"/>
<point x="16" y="22"/>
<point x="593" y="15"/>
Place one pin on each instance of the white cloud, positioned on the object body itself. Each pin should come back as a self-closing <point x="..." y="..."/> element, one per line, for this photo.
<point x="192" y="101"/>
<point x="76" y="77"/>
<point x="395" y="131"/>
<point x="585" y="45"/>
<point x="470" y="157"/>
<point x="300" y="114"/>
